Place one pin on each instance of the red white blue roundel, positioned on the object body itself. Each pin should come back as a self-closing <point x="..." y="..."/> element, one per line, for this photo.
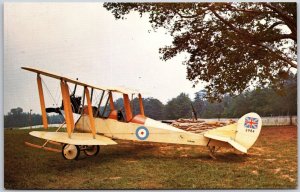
<point x="142" y="133"/>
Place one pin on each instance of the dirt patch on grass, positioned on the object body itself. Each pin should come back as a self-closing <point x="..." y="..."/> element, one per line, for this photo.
<point x="258" y="149"/>
<point x="131" y="161"/>
<point x="149" y="185"/>
<point x="183" y="148"/>
<point x="288" y="177"/>
<point x="254" y="172"/>
<point x="114" y="178"/>
<point x="281" y="133"/>
<point x="270" y="160"/>
<point x="275" y="171"/>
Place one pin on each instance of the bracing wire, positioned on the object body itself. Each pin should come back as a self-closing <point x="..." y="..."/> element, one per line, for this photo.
<point x="56" y="94"/>
<point x="50" y="95"/>
<point x="49" y="92"/>
<point x="96" y="99"/>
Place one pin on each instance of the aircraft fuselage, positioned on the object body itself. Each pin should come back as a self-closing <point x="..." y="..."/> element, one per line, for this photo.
<point x="151" y="131"/>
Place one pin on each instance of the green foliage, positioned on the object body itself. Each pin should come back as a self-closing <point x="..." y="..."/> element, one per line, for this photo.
<point x="179" y="107"/>
<point x="153" y="108"/>
<point x="265" y="102"/>
<point x="119" y="104"/>
<point x="199" y="103"/>
<point x="17" y="118"/>
<point x="229" y="45"/>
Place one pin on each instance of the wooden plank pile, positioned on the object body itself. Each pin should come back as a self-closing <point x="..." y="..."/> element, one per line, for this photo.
<point x="199" y="126"/>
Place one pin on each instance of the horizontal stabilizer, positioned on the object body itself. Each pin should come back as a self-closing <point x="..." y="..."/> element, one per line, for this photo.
<point x="76" y="138"/>
<point x="217" y="137"/>
<point x="237" y="146"/>
<point x="228" y="140"/>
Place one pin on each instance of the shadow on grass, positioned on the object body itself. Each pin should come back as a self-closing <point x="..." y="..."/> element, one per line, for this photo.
<point x="150" y="152"/>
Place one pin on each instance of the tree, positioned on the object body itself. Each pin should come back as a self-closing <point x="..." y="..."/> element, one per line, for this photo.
<point x="264" y="101"/>
<point x="199" y="103"/>
<point x="16" y="111"/>
<point x="154" y="108"/>
<point x="290" y="96"/>
<point x="17" y="118"/>
<point x="179" y="107"/>
<point x="213" y="110"/>
<point x="119" y="104"/>
<point x="267" y="102"/>
<point x="238" y="106"/>
<point x="229" y="45"/>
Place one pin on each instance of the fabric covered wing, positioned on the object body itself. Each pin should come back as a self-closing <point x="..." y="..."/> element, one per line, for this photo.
<point x="76" y="138"/>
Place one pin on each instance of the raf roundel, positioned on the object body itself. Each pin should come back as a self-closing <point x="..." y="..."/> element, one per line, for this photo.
<point x="142" y="133"/>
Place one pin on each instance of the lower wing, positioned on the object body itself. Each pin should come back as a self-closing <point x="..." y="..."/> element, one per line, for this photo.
<point x="76" y="138"/>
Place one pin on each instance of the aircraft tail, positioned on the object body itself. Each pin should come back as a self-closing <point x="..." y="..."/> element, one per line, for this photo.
<point x="248" y="129"/>
<point x="241" y="135"/>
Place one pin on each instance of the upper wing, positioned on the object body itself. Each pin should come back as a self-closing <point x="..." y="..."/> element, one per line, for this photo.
<point x="76" y="138"/>
<point x="59" y="77"/>
<point x="123" y="90"/>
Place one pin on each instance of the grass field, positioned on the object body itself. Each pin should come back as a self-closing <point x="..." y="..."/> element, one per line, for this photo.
<point x="270" y="163"/>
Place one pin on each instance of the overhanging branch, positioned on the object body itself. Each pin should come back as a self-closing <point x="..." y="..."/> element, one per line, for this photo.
<point x="250" y="38"/>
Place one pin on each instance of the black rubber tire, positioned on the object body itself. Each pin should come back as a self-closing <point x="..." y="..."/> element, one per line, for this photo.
<point x="93" y="152"/>
<point x="75" y="156"/>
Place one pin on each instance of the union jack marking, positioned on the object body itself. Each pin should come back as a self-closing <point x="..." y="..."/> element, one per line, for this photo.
<point x="251" y="122"/>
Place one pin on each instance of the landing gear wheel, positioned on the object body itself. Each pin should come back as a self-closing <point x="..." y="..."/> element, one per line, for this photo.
<point x="70" y="152"/>
<point x="92" y="150"/>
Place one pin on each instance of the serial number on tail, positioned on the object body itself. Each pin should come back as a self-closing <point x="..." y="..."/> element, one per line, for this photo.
<point x="250" y="130"/>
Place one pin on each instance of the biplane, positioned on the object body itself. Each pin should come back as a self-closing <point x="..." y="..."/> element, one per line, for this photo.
<point x="102" y="123"/>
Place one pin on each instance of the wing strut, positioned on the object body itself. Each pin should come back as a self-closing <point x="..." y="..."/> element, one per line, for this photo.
<point x="141" y="105"/>
<point x="90" y="110"/>
<point x="111" y="101"/>
<point x="105" y="107"/>
<point x="99" y="105"/>
<point x="127" y="107"/>
<point x="67" y="107"/>
<point x="42" y="101"/>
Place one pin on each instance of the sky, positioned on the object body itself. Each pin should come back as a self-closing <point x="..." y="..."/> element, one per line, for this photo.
<point x="85" y="41"/>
